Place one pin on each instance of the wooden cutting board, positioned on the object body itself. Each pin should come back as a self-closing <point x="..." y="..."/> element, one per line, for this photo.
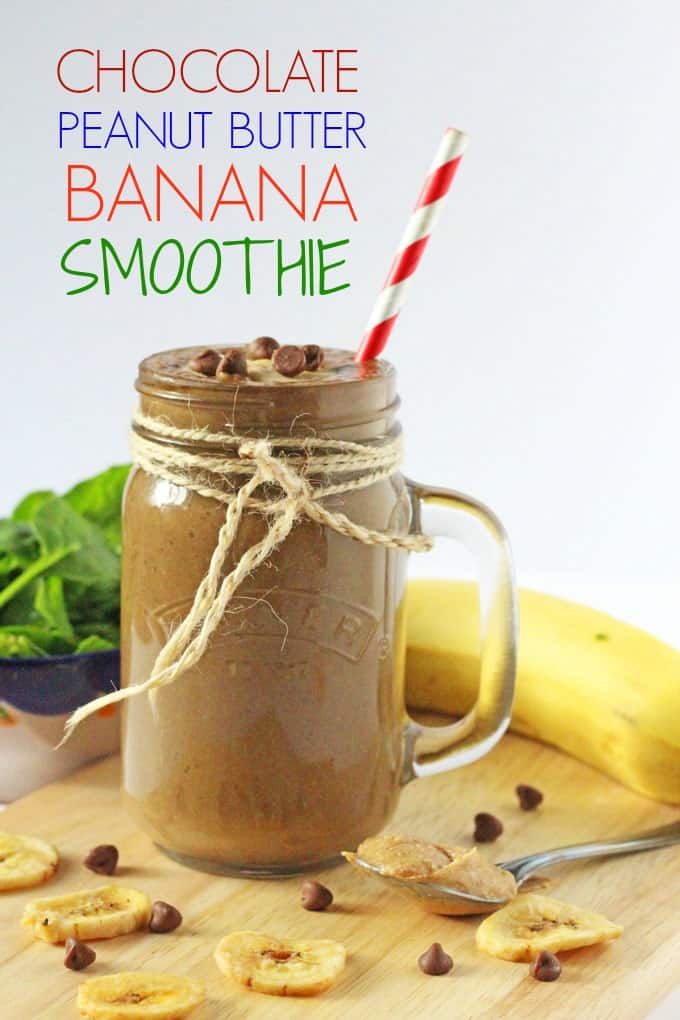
<point x="384" y="933"/>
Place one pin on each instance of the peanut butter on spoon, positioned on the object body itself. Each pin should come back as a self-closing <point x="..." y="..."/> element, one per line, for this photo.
<point x="411" y="859"/>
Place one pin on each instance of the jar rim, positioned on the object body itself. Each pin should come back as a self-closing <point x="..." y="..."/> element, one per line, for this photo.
<point x="346" y="396"/>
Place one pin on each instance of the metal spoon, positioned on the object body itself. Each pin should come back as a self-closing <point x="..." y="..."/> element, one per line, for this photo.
<point x="440" y="899"/>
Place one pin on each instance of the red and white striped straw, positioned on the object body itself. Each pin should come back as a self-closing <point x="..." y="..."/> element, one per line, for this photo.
<point x="420" y="226"/>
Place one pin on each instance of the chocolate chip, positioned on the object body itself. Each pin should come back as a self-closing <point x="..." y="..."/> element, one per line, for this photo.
<point x="546" y="967"/>
<point x="206" y="362"/>
<point x="316" y="896"/>
<point x="164" y="917"/>
<point x="289" y="360"/>
<point x="102" y="859"/>
<point x="487" y="827"/>
<point x="262" y="347"/>
<point x="529" y="797"/>
<point x="313" y="357"/>
<point x="233" y="365"/>
<point x="435" y="961"/>
<point x="78" y="956"/>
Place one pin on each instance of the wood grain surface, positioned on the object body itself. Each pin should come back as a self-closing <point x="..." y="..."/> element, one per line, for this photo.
<point x="383" y="932"/>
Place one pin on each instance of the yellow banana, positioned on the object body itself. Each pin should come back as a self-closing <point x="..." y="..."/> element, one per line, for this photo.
<point x="599" y="689"/>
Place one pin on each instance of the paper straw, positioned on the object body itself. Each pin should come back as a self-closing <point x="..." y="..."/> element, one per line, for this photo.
<point x="418" y="229"/>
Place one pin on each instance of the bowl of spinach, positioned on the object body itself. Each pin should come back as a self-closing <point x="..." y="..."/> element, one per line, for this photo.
<point x="60" y="596"/>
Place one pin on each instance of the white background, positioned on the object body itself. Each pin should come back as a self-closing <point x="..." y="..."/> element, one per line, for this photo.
<point x="538" y="352"/>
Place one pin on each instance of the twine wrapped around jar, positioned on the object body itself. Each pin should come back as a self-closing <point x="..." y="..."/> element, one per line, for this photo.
<point x="281" y="469"/>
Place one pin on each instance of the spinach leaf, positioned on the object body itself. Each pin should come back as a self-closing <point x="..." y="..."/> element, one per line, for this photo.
<point x="60" y="569"/>
<point x="17" y="537"/>
<point x="15" y="646"/>
<point x="29" y="505"/>
<point x="18" y="546"/>
<point x="89" y="559"/>
<point x="94" y="643"/>
<point x="21" y="608"/>
<point x="44" y="563"/>
<point x="50" y="604"/>
<point x="42" y="642"/>
<point x="113" y="534"/>
<point x="99" y="500"/>
<point x="90" y="571"/>
<point x="106" y="629"/>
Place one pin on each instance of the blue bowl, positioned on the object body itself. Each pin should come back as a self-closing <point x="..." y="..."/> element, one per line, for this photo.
<point x="59" y="684"/>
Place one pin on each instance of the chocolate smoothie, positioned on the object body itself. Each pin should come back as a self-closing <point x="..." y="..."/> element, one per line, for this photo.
<point x="285" y="744"/>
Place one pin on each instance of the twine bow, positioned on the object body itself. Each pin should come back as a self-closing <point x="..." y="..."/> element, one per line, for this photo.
<point x="362" y="465"/>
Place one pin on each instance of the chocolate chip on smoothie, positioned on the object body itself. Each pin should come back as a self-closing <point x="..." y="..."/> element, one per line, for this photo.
<point x="262" y="347"/>
<point x="316" y="896"/>
<point x="77" y="955"/>
<point x="233" y="365"/>
<point x="102" y="859"/>
<point x="529" y="797"/>
<point x="206" y="362"/>
<point x="164" y="917"/>
<point x="289" y="360"/>
<point x="313" y="357"/>
<point x="487" y="827"/>
<point x="435" y="961"/>
<point x="546" y="967"/>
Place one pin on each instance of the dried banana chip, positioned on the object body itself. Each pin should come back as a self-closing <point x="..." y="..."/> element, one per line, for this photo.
<point x="139" y="996"/>
<point x="276" y="967"/>
<point x="100" y="913"/>
<point x="532" y="923"/>
<point x="25" y="861"/>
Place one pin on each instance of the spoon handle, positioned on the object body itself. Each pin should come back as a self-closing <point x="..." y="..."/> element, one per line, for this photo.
<point x="522" y="867"/>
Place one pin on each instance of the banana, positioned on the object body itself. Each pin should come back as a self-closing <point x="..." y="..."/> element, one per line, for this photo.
<point x="599" y="689"/>
<point x="139" y="996"/>
<point x="100" y="913"/>
<point x="533" y="923"/>
<point x="274" y="967"/>
<point x="25" y="861"/>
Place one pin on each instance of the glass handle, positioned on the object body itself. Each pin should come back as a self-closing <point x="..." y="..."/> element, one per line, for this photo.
<point x="446" y="514"/>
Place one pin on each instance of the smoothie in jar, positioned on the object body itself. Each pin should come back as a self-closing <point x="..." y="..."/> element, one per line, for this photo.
<point x="284" y="744"/>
